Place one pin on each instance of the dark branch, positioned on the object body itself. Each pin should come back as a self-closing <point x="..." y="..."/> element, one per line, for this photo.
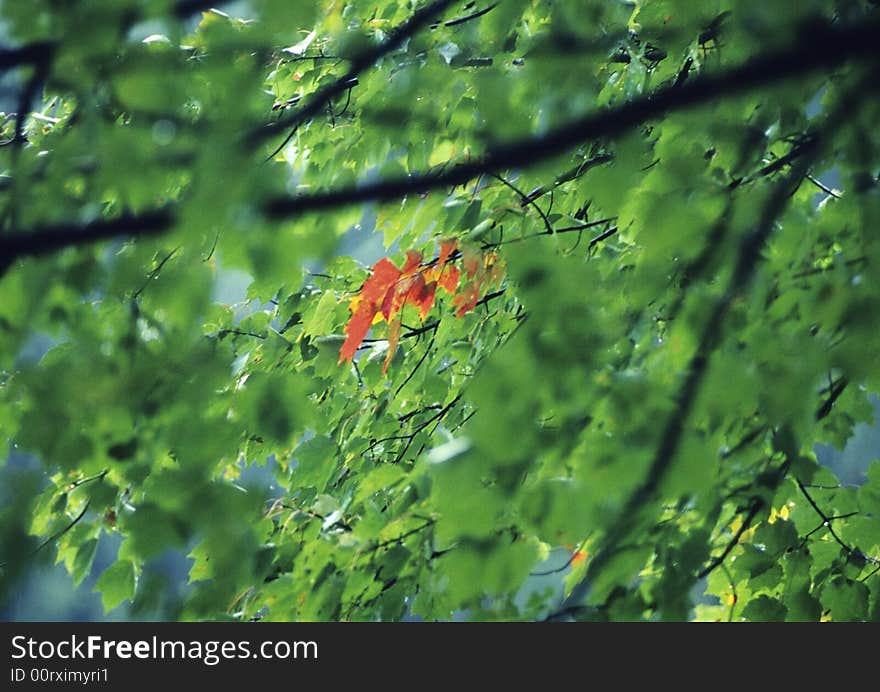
<point x="836" y="390"/>
<point x="584" y="226"/>
<point x="800" y="59"/>
<point x="578" y="228"/>
<point x="418" y="412"/>
<point x="49" y="239"/>
<point x="90" y="479"/>
<point x="39" y="53"/>
<point x="557" y="570"/>
<point x="58" y="534"/>
<point x="572" y="173"/>
<point x="223" y="333"/>
<point x="187" y="8"/>
<point x="467" y="18"/>
<point x="822" y="186"/>
<point x="779" y="163"/>
<point x="417" y="365"/>
<point x="489" y="296"/>
<point x="525" y="201"/>
<point x="603" y="236"/>
<point x="827" y="521"/>
<point x="155" y="272"/>
<point x="405" y="535"/>
<point x="746" y="264"/>
<point x="718" y="560"/>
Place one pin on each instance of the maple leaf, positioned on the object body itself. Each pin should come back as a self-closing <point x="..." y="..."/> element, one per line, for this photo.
<point x="448" y="279"/>
<point x="388" y="289"/>
<point x="366" y="304"/>
<point x="467" y="299"/>
<point x="393" y="339"/>
<point x="471" y="261"/>
<point x="447" y="247"/>
<point x="397" y="294"/>
<point x="413" y="260"/>
<point x="421" y="295"/>
<point x="444" y="273"/>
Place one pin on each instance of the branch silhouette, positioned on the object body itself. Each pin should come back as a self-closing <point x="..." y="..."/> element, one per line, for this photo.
<point x="802" y="58"/>
<point x="838" y="44"/>
<point x="747" y="260"/>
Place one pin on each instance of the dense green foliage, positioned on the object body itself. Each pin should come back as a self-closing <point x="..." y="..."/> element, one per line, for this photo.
<point x="684" y="195"/>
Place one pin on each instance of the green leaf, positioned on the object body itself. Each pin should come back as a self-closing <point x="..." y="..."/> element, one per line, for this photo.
<point x="82" y="564"/>
<point x="764" y="609"/>
<point x="315" y="462"/>
<point x="846" y="599"/>
<point x="117" y="583"/>
<point x="322" y="320"/>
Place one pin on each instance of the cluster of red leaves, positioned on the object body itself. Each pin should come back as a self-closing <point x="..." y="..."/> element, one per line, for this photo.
<point x="389" y="288"/>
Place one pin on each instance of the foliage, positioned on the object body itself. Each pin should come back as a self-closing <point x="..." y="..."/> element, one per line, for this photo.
<point x="679" y="200"/>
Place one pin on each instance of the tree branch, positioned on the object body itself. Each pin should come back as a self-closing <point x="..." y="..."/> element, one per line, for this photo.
<point x="800" y="59"/>
<point x="833" y="395"/>
<point x="826" y="520"/>
<point x="572" y="173"/>
<point x="838" y="44"/>
<point x="467" y="18"/>
<point x="48" y="239"/>
<point x="187" y="8"/>
<point x="38" y="53"/>
<point x="747" y="261"/>
<point x="718" y="560"/>
<point x="526" y="200"/>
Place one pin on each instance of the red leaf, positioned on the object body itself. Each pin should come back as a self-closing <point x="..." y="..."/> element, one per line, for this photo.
<point x="467" y="300"/>
<point x="384" y="275"/>
<point x="447" y="247"/>
<point x="356" y="330"/>
<point x="413" y="260"/>
<point x="366" y="304"/>
<point x="388" y="289"/>
<point x="393" y="338"/>
<point x="449" y="276"/>
<point x="387" y="307"/>
<point x="471" y="261"/>
<point x="421" y="295"/>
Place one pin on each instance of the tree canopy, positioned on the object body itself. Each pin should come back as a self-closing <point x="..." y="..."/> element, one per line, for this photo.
<point x="548" y="305"/>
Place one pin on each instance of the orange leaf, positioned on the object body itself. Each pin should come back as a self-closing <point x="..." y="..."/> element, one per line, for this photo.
<point x="467" y="299"/>
<point x="421" y="295"/>
<point x="447" y="247"/>
<point x="366" y="304"/>
<point x="388" y="289"/>
<point x="413" y="260"/>
<point x="397" y="295"/>
<point x="356" y="330"/>
<point x="449" y="276"/>
<point x="393" y="339"/>
<point x="384" y="275"/>
<point x="387" y="308"/>
<point x="471" y="261"/>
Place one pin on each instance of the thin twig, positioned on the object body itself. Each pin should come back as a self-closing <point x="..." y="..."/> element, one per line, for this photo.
<point x="716" y="561"/>
<point x="395" y="38"/>
<point x="839" y="43"/>
<point x="526" y="200"/>
<point x="467" y="18"/>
